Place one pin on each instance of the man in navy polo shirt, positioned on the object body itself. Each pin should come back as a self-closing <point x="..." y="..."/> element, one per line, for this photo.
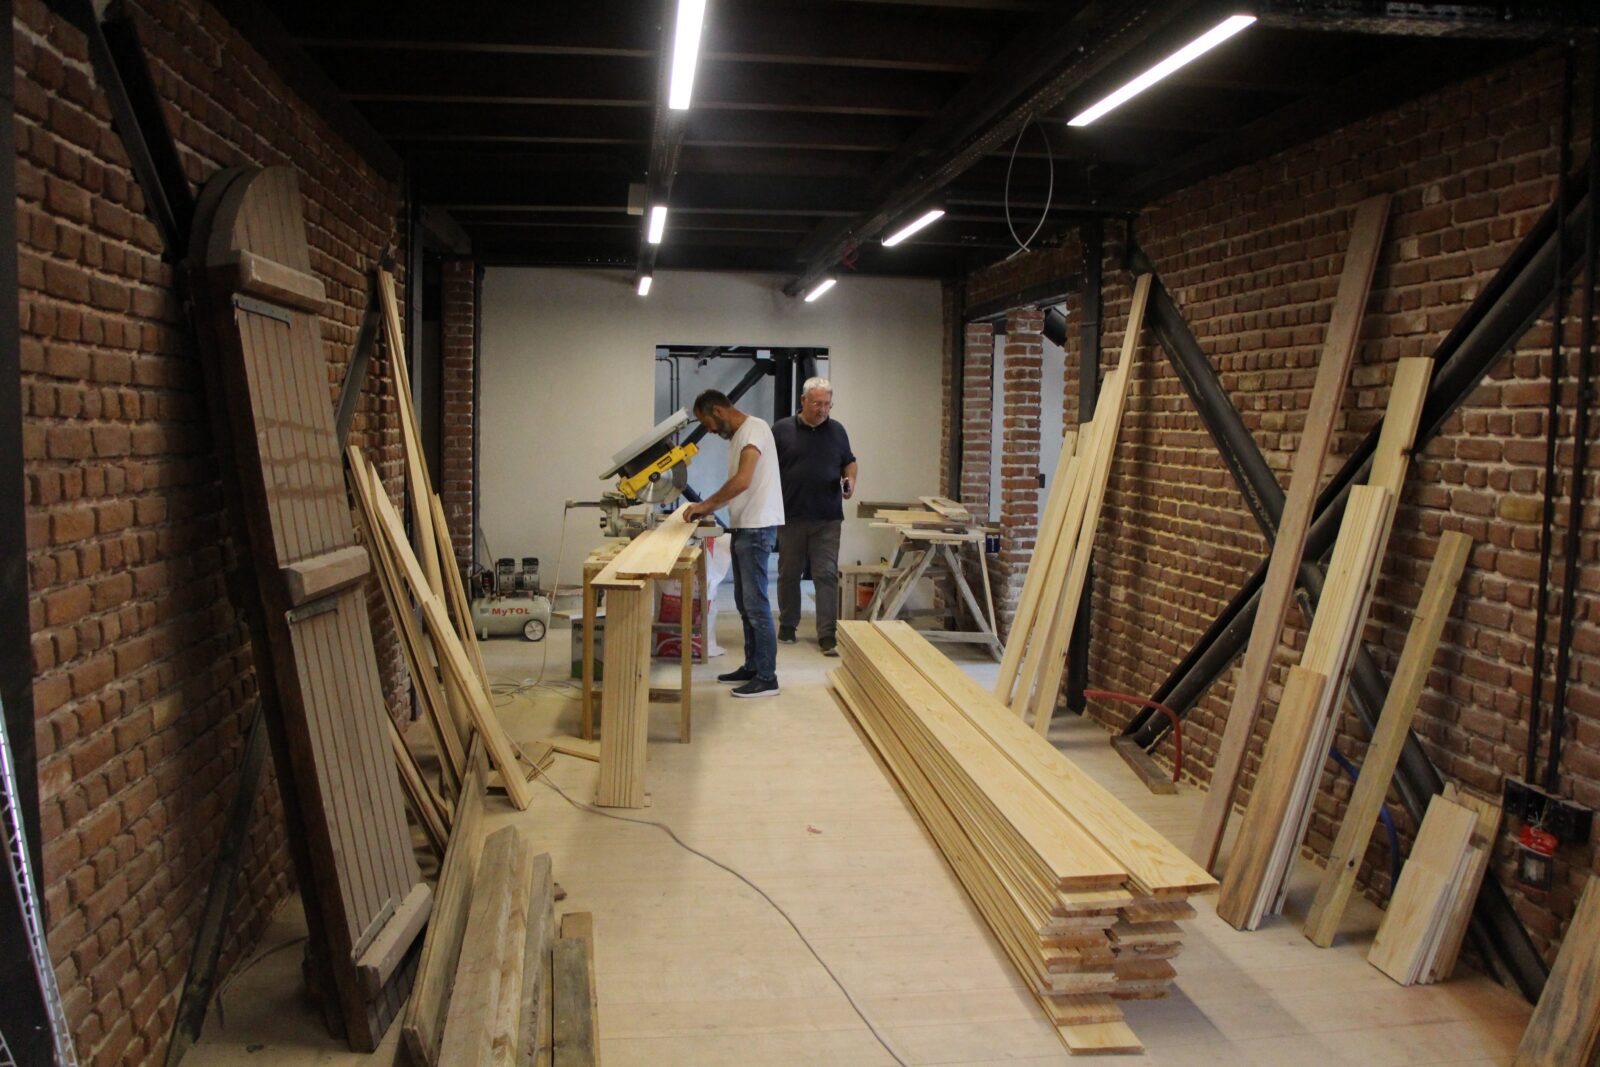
<point x="818" y="471"/>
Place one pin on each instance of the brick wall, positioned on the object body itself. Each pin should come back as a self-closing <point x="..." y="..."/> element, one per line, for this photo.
<point x="1252" y="258"/>
<point x="143" y="669"/>
<point x="977" y="385"/>
<point x="458" y="440"/>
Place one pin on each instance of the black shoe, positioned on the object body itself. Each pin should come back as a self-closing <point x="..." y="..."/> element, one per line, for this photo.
<point x="758" y="688"/>
<point x="829" y="646"/>
<point x="786" y="635"/>
<point x="743" y="674"/>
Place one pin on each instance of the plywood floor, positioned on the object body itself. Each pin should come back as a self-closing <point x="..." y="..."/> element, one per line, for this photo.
<point x="696" y="969"/>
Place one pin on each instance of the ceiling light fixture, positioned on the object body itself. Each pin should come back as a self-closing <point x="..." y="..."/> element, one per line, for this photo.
<point x="822" y="287"/>
<point x="926" y="219"/>
<point x="658" y="224"/>
<point x="685" y="51"/>
<point x="1181" y="58"/>
<point x="644" y="284"/>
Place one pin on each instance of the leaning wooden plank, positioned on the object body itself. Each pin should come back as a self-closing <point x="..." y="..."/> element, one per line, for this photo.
<point x="427" y="549"/>
<point x="423" y="1022"/>
<point x="448" y="736"/>
<point x="1565" y="1027"/>
<point x="1420" y="899"/>
<point x="579" y="926"/>
<point x="497" y="920"/>
<point x="1046" y="544"/>
<point x="575" y="1044"/>
<point x="451" y="655"/>
<point x="424" y="803"/>
<point x="1036" y="638"/>
<point x="1394" y="725"/>
<point x="455" y="593"/>
<point x="516" y="1021"/>
<point x="1154" y="864"/>
<point x="1066" y="616"/>
<point x="1291" y="732"/>
<point x="624" y="700"/>
<point x="1454" y="931"/>
<point x="1391" y="459"/>
<point x="1283" y="568"/>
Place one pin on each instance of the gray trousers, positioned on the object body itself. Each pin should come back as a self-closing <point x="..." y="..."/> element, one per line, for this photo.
<point x="815" y="542"/>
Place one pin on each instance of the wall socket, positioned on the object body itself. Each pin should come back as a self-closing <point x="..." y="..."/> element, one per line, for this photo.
<point x="1568" y="821"/>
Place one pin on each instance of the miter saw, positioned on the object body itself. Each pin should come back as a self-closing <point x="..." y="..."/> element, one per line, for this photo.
<point x="652" y="469"/>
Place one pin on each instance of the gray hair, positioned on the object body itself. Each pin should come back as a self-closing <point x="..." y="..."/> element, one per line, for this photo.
<point x="815" y="383"/>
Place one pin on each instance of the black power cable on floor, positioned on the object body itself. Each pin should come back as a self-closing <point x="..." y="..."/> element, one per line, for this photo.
<point x="681" y="843"/>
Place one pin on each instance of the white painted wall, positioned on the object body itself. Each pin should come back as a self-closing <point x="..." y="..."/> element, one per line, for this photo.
<point x="568" y="377"/>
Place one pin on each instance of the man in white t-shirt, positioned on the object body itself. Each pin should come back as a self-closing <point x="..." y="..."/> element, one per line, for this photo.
<point x="754" y="497"/>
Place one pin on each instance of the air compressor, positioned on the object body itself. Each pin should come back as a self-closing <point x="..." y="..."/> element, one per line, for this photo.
<point x="508" y="601"/>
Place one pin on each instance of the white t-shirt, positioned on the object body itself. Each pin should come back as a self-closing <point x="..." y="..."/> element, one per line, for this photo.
<point x="761" y="504"/>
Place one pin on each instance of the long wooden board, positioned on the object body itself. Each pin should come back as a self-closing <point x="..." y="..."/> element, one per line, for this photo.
<point x="1283" y="567"/>
<point x="1108" y="419"/>
<point x="1046" y="544"/>
<point x="452" y="656"/>
<point x="653" y="554"/>
<point x="1394" y="724"/>
<point x="1565" y="1027"/>
<point x="1269" y="799"/>
<point x="423" y="1023"/>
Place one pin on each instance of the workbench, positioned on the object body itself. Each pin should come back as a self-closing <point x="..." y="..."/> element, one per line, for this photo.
<point x="690" y="571"/>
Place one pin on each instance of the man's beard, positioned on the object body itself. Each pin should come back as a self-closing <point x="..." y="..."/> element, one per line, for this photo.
<point x="724" y="430"/>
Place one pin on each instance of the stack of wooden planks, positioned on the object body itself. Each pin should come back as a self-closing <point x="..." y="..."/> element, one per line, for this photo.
<point x="625" y="695"/>
<point x="1035" y="655"/>
<point x="1083" y="896"/>
<point x="1422" y="931"/>
<point x="1280" y="804"/>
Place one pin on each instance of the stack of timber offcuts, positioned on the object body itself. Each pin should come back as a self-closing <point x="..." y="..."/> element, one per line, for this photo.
<point x="1083" y="895"/>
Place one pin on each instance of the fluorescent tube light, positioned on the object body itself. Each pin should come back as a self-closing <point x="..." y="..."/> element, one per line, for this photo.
<point x="822" y="287"/>
<point x="1181" y="58"/>
<point x="658" y="224"/>
<point x="685" y="51"/>
<point x="906" y="231"/>
<point x="644" y="284"/>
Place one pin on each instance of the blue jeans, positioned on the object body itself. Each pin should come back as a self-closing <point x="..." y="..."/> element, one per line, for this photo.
<point x="751" y="551"/>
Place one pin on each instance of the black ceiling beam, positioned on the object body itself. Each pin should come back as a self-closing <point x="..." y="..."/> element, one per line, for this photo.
<point x="1037" y="7"/>
<point x="1501" y="21"/>
<point x="814" y="163"/>
<point x="1023" y="82"/>
<point x="404" y="123"/>
<point x="420" y="75"/>
<point x="950" y="41"/>
<point x="865" y="133"/>
<point x="1403" y="76"/>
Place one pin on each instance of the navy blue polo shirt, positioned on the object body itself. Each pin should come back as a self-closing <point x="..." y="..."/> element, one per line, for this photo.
<point x="811" y="460"/>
